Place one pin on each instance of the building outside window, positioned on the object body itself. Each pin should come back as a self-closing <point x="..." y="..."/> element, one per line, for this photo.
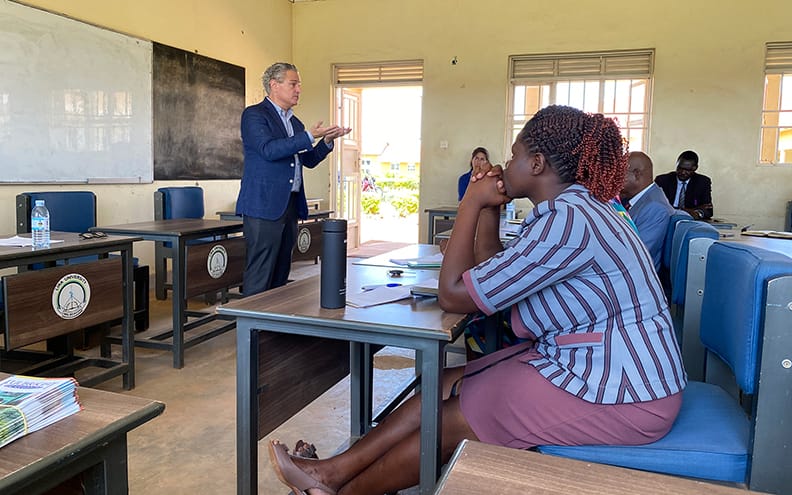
<point x="776" y="135"/>
<point x="616" y="83"/>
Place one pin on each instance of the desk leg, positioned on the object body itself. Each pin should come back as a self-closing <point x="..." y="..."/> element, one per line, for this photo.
<point x="179" y="302"/>
<point x="431" y="417"/>
<point x="430" y="229"/>
<point x="103" y="470"/>
<point x="361" y="377"/>
<point x="110" y="476"/>
<point x="247" y="408"/>
<point x="127" y="322"/>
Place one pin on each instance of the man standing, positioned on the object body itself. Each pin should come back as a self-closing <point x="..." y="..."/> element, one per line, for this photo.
<point x="687" y="190"/>
<point x="647" y="204"/>
<point x="272" y="196"/>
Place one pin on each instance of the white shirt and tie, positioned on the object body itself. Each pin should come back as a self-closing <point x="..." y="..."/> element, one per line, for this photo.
<point x="679" y="199"/>
<point x="286" y="116"/>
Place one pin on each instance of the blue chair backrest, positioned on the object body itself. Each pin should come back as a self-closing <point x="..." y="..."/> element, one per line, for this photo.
<point x="182" y="202"/>
<point x="669" y="238"/>
<point x="734" y="298"/>
<point x="70" y="211"/>
<point x="684" y="232"/>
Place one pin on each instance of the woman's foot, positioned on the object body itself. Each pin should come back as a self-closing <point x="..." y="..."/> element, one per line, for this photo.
<point x="306" y="450"/>
<point x="292" y="476"/>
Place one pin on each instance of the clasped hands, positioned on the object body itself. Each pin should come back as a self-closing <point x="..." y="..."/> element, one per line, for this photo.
<point x="329" y="133"/>
<point x="486" y="185"/>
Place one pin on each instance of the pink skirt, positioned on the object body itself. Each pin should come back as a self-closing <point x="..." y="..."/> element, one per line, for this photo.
<point x="509" y="403"/>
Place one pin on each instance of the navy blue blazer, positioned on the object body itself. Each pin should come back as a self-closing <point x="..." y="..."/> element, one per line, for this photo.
<point x="268" y="174"/>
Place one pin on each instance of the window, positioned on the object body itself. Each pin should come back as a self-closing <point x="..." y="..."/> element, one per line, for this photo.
<point x="776" y="140"/>
<point x="617" y="84"/>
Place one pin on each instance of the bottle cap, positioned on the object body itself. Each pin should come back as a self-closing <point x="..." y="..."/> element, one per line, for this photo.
<point x="39" y="202"/>
<point x="334" y="225"/>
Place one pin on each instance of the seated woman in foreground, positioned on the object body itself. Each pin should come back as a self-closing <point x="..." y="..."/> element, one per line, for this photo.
<point x="601" y="364"/>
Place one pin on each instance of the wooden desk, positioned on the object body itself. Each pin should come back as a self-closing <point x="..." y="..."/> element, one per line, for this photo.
<point x="440" y="218"/>
<point x="407" y="252"/>
<point x="267" y="324"/>
<point x="192" y="259"/>
<point x="783" y="246"/>
<point x="92" y="442"/>
<point x="478" y="468"/>
<point x="47" y="324"/>
<point x="309" y="232"/>
<point x="506" y="232"/>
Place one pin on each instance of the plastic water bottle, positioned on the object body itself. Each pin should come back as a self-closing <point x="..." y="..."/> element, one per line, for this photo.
<point x="510" y="211"/>
<point x="40" y="225"/>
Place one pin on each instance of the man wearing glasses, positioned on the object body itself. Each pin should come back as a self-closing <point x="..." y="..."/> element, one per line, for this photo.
<point x="686" y="189"/>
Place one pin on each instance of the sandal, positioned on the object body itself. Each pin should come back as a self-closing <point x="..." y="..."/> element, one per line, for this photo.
<point x="289" y="474"/>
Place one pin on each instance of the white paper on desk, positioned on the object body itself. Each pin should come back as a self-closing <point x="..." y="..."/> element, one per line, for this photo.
<point x="433" y="260"/>
<point x="19" y="241"/>
<point x="379" y="295"/>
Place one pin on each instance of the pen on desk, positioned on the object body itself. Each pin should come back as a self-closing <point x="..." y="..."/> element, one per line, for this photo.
<point x="374" y="286"/>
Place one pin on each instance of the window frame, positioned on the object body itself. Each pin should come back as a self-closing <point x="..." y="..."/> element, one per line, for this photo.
<point x="778" y="66"/>
<point x="547" y="71"/>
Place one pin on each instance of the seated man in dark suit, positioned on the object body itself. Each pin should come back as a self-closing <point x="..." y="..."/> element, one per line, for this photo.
<point x="687" y="190"/>
<point x="647" y="205"/>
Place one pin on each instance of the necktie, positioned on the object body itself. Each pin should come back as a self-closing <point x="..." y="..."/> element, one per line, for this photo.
<point x="681" y="202"/>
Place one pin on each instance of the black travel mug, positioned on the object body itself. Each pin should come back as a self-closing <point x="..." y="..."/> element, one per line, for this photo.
<point x="333" y="270"/>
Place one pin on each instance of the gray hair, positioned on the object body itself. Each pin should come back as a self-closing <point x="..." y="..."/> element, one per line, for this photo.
<point x="276" y="71"/>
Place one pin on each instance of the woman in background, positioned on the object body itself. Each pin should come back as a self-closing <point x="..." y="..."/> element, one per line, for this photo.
<point x="478" y="159"/>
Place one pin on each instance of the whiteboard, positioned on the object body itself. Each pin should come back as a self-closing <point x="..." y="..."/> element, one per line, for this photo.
<point x="75" y="101"/>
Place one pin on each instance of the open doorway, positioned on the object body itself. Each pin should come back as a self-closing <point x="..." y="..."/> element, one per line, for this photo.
<point x="378" y="166"/>
<point x="390" y="163"/>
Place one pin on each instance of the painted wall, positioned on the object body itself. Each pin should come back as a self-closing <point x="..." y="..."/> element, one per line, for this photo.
<point x="707" y="85"/>
<point x="707" y="91"/>
<point x="249" y="33"/>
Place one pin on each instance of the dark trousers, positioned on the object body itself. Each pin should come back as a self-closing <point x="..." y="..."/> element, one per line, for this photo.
<point x="269" y="250"/>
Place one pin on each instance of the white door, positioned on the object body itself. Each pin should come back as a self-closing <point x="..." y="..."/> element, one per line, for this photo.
<point x="347" y="176"/>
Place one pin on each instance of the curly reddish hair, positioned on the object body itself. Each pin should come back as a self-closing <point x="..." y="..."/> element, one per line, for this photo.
<point x="581" y="147"/>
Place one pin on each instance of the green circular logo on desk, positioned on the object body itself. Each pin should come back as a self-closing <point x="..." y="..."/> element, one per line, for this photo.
<point x="217" y="261"/>
<point x="71" y="296"/>
<point x="304" y="240"/>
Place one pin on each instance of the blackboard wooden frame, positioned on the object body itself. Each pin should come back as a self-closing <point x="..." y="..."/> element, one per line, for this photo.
<point x="197" y="104"/>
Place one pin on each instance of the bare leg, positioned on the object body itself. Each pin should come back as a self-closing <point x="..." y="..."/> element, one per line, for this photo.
<point x="399" y="467"/>
<point x="387" y="457"/>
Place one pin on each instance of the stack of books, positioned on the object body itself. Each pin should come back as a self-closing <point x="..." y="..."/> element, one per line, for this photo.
<point x="28" y="404"/>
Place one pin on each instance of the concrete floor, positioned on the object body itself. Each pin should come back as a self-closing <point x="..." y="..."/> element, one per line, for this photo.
<point x="190" y="448"/>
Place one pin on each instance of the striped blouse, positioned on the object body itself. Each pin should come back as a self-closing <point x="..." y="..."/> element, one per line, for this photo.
<point x="581" y="284"/>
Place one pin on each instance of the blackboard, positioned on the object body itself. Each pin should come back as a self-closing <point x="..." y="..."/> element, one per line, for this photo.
<point x="197" y="105"/>
<point x="75" y="101"/>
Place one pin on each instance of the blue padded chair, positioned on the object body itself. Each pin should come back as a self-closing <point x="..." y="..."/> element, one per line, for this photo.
<point x="75" y="211"/>
<point x="685" y="231"/>
<point x="692" y="240"/>
<point x="173" y="202"/>
<point x="665" y="263"/>
<point x="735" y="426"/>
